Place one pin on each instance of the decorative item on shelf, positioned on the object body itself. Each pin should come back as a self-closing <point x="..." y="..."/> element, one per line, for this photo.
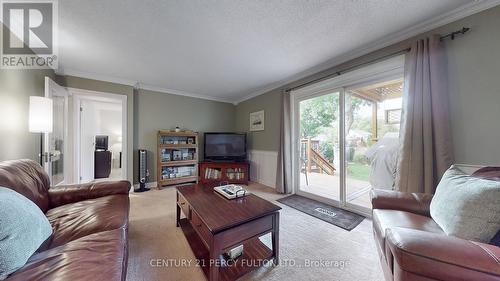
<point x="176" y="155"/>
<point x="234" y="252"/>
<point x="257" y="121"/>
<point x="165" y="155"/>
<point x="185" y="155"/>
<point x="177" y="129"/>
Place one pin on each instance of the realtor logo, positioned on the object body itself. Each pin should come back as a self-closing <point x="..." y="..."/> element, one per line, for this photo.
<point x="29" y="33"/>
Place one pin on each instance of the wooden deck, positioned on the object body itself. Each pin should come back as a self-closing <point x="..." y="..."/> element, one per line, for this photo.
<point x="358" y="192"/>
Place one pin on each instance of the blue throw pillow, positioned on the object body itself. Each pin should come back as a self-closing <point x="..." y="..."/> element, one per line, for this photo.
<point x="23" y="228"/>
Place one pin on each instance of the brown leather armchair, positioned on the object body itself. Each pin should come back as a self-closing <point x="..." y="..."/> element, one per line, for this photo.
<point x="412" y="246"/>
<point x="89" y="222"/>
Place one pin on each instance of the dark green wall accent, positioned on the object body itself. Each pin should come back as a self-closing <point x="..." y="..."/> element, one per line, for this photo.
<point x="157" y="111"/>
<point x="271" y="104"/>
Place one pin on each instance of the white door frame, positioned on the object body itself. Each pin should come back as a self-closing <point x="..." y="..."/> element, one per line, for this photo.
<point x="47" y="163"/>
<point x="295" y="100"/>
<point x="78" y="96"/>
<point x="389" y="69"/>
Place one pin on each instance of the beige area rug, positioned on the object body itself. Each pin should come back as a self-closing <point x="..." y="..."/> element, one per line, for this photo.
<point x="310" y="249"/>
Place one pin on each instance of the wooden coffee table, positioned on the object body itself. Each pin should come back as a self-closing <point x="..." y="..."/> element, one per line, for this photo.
<point x="213" y="225"/>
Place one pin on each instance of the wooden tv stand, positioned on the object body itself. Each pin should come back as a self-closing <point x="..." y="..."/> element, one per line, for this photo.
<point x="230" y="172"/>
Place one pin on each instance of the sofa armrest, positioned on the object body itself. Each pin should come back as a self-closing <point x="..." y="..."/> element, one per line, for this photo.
<point x="65" y="194"/>
<point x="442" y="257"/>
<point x="418" y="203"/>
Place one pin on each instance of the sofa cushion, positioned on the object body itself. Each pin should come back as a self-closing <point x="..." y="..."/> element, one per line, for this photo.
<point x="23" y="228"/>
<point x="489" y="173"/>
<point x="385" y="219"/>
<point x="28" y="178"/>
<point x="441" y="257"/>
<point x="100" y="256"/>
<point x="75" y="220"/>
<point x="467" y="207"/>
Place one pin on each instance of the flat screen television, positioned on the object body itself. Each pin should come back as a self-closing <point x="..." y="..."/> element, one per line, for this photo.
<point x="101" y="142"/>
<point x="225" y="146"/>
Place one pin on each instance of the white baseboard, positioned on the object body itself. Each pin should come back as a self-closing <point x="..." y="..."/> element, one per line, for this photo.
<point x="148" y="185"/>
<point x="263" y="165"/>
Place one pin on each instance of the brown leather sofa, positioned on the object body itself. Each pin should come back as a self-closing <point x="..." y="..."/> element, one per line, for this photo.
<point x="413" y="247"/>
<point x="89" y="222"/>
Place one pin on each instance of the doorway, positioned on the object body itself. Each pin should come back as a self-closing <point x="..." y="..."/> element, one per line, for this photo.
<point x="100" y="130"/>
<point x="345" y="134"/>
<point x="88" y="141"/>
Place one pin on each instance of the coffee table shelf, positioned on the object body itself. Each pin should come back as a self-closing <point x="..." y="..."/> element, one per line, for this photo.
<point x="213" y="225"/>
<point x="254" y="253"/>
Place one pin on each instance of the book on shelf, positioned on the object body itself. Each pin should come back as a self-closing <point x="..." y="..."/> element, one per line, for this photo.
<point x="212" y="173"/>
<point x="235" y="174"/>
<point x="166" y="155"/>
<point x="176" y="140"/>
<point x="177" y="172"/>
<point x="177" y="154"/>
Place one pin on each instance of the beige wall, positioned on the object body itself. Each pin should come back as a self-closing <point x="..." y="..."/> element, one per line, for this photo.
<point x="474" y="69"/>
<point x="15" y="88"/>
<point x="157" y="111"/>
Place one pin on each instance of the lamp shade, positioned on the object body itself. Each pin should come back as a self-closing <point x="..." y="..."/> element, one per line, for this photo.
<point x="40" y="115"/>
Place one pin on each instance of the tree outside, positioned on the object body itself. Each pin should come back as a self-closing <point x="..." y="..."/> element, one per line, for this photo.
<point x="319" y="121"/>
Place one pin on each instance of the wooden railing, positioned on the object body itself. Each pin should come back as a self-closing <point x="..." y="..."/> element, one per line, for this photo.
<point x="313" y="160"/>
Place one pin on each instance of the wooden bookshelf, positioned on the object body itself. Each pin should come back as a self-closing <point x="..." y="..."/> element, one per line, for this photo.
<point x="177" y="158"/>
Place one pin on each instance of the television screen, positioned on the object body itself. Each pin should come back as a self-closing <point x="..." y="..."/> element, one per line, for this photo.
<point x="225" y="146"/>
<point x="101" y="142"/>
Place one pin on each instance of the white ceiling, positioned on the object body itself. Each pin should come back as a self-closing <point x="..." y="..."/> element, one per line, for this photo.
<point x="228" y="50"/>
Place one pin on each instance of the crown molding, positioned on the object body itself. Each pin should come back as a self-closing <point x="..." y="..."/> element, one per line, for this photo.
<point x="183" y="93"/>
<point x="428" y="25"/>
<point x="94" y="76"/>
<point x="139" y="85"/>
<point x="443" y="19"/>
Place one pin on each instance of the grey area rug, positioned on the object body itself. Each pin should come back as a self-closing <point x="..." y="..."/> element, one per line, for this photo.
<point x="339" y="217"/>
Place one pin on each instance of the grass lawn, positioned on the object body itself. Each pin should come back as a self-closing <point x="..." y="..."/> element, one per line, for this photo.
<point x="358" y="171"/>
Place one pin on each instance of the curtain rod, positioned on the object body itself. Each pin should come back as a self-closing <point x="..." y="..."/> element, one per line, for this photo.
<point x="451" y="35"/>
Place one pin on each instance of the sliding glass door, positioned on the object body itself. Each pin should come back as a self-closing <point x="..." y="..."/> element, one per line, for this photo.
<point x="372" y="117"/>
<point x="345" y="135"/>
<point x="318" y="138"/>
